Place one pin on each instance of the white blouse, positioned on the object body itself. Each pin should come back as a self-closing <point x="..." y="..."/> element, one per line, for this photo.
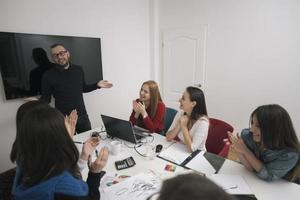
<point x="198" y="132"/>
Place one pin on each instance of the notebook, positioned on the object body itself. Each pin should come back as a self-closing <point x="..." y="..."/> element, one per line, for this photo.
<point x="123" y="129"/>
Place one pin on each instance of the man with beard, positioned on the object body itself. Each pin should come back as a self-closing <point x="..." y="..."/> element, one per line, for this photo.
<point x="66" y="83"/>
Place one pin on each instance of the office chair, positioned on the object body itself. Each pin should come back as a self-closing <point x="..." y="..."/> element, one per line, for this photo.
<point x="169" y="116"/>
<point x="217" y="132"/>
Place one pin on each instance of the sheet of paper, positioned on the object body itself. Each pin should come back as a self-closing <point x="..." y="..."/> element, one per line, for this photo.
<point x="200" y="163"/>
<point x="176" y="153"/>
<point x="137" y="187"/>
<point x="233" y="184"/>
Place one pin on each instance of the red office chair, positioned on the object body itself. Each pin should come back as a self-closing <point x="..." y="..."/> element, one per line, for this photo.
<point x="216" y="133"/>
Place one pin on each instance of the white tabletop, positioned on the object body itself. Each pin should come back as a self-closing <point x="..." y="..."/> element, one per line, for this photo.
<point x="262" y="190"/>
<point x="143" y="164"/>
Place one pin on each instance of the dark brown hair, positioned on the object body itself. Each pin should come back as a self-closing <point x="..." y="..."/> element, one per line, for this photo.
<point x="22" y="110"/>
<point x="276" y="127"/>
<point x="45" y="148"/>
<point x="197" y="95"/>
<point x="191" y="187"/>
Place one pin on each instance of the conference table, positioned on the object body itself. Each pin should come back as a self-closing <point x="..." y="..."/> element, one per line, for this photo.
<point x="261" y="189"/>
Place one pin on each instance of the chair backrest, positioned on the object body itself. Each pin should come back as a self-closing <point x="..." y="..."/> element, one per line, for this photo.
<point x="217" y="132"/>
<point x="169" y="117"/>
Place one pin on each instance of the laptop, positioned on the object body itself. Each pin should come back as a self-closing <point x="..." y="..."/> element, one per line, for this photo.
<point x="123" y="129"/>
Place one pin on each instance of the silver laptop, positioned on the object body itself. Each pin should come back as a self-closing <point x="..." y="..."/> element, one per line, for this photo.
<point x="123" y="129"/>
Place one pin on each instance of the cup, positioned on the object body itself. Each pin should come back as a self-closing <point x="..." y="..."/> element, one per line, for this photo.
<point x="115" y="147"/>
<point x="150" y="152"/>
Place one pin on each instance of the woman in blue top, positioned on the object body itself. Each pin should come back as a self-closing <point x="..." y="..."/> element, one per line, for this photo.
<point x="270" y="147"/>
<point x="47" y="160"/>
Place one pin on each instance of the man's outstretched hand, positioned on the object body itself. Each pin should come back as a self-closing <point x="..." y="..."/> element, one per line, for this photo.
<point x="104" y="84"/>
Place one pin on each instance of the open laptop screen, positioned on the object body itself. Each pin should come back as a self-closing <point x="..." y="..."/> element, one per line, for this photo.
<point x="119" y="128"/>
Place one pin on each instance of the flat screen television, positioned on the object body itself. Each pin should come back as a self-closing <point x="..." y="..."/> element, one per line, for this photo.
<point x="22" y="53"/>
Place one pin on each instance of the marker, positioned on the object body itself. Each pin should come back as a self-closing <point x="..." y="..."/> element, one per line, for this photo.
<point x="190" y="157"/>
<point x="76" y="142"/>
<point x="231" y="187"/>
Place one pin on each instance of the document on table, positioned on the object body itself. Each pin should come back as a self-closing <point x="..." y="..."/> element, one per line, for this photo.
<point x="137" y="187"/>
<point x="233" y="184"/>
<point x="176" y="153"/>
<point x="200" y="163"/>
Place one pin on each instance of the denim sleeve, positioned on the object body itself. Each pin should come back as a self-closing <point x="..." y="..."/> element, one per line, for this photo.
<point x="279" y="167"/>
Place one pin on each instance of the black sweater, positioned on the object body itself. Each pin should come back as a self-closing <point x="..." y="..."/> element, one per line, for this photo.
<point x="66" y="86"/>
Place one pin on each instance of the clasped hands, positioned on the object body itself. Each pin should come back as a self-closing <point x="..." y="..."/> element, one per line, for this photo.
<point x="183" y="121"/>
<point x="182" y="124"/>
<point x="237" y="143"/>
<point x="139" y="108"/>
<point x="88" y="148"/>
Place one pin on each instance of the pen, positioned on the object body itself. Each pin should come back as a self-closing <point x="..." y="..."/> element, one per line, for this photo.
<point x="76" y="142"/>
<point x="231" y="187"/>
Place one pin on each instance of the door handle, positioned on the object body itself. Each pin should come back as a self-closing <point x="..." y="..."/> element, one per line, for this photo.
<point x="198" y="85"/>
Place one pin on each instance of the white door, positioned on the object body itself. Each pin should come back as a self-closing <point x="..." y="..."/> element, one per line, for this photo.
<point x="183" y="61"/>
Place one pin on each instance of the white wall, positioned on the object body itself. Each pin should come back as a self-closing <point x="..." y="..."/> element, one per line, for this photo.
<point x="124" y="30"/>
<point x="252" y="58"/>
<point x="252" y="55"/>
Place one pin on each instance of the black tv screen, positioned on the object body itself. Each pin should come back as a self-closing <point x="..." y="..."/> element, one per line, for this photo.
<point x="22" y="53"/>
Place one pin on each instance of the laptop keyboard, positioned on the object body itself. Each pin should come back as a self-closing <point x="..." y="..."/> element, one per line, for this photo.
<point x="139" y="134"/>
<point x="138" y="137"/>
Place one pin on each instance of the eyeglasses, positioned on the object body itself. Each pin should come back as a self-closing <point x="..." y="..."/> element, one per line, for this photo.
<point x="61" y="53"/>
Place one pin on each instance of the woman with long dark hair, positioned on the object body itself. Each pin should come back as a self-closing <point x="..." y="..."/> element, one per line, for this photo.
<point x="190" y="125"/>
<point x="22" y="110"/>
<point x="47" y="159"/>
<point x="270" y="147"/>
